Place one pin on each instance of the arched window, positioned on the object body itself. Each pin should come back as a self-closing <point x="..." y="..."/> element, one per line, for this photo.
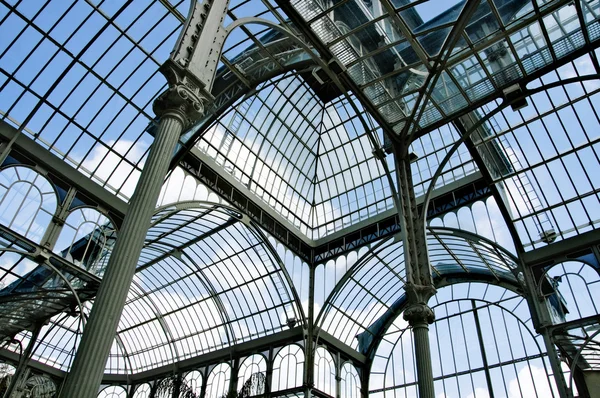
<point x="217" y="384"/>
<point x="575" y="291"/>
<point x="252" y="376"/>
<point x="194" y="381"/>
<point x="27" y="202"/>
<point x="288" y="368"/>
<point x="113" y="392"/>
<point x="324" y="371"/>
<point x="350" y="383"/>
<point x="142" y="391"/>
<point x="572" y="291"/>
<point x="87" y="239"/>
<point x="482" y="339"/>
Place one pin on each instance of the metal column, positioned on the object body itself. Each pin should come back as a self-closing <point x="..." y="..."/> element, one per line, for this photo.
<point x="309" y="366"/>
<point x="99" y="333"/>
<point x="190" y="71"/>
<point x="419" y="283"/>
<point x="541" y="320"/>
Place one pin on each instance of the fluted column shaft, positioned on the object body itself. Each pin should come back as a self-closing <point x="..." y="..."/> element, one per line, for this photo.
<point x="88" y="367"/>
<point x="419" y="316"/>
<point x="423" y="356"/>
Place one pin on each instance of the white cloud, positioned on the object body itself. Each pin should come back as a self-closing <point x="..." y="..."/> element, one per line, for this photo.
<point x="109" y="167"/>
<point x="479" y="393"/>
<point x="531" y="381"/>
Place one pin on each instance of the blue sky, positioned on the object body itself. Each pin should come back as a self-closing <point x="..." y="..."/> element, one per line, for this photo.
<point x="107" y="137"/>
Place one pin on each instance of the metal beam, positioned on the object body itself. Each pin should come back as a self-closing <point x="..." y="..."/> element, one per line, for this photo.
<point x="524" y="81"/>
<point x="13" y="357"/>
<point x="439" y="193"/>
<point x="577" y="323"/>
<point x="35" y="250"/>
<point x="450" y="197"/>
<point x="562" y="250"/>
<point x="326" y="54"/>
<point x="345" y="350"/>
<point x="439" y="65"/>
<point x="238" y="351"/>
<point x="223" y="184"/>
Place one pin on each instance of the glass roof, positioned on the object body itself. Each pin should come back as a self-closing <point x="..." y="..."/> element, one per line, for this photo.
<point x="393" y="53"/>
<point x="467" y="313"/>
<point x="310" y="161"/>
<point x="79" y="79"/>
<point x="339" y="182"/>
<point x="550" y="183"/>
<point x="206" y="280"/>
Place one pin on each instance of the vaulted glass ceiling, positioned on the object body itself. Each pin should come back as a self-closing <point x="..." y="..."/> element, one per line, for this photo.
<point x="310" y="161"/>
<point x="339" y="182"/>
<point x="371" y="294"/>
<point x="79" y="79"/>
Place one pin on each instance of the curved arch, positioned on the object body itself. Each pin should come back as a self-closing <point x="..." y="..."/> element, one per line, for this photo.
<point x="178" y="253"/>
<point x="467" y="235"/>
<point x="222" y="373"/>
<point x="331" y="75"/>
<point x="161" y="321"/>
<point x="142" y="391"/>
<point x="98" y="209"/>
<point x="40" y="386"/>
<point x="558" y="278"/>
<point x="264" y="22"/>
<point x="380" y="312"/>
<point x="350" y="383"/>
<point x="222" y="309"/>
<point x="195" y="380"/>
<point x="372" y="252"/>
<point x="91" y="245"/>
<point x="204" y="281"/>
<point x="325" y="371"/>
<point x="482" y="328"/>
<point x="293" y="377"/>
<point x="254" y="229"/>
<point x="182" y="237"/>
<point x="580" y="353"/>
<point x="29" y="217"/>
<point x="113" y="392"/>
<point x="252" y="375"/>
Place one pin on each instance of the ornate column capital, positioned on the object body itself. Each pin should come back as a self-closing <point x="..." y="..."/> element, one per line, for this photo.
<point x="185" y="98"/>
<point x="418" y="313"/>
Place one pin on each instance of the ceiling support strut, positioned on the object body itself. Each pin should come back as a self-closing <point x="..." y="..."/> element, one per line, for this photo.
<point x="419" y="283"/>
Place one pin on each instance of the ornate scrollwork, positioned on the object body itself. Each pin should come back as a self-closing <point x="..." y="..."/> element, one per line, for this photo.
<point x="185" y="97"/>
<point x="181" y="100"/>
<point x="418" y="313"/>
